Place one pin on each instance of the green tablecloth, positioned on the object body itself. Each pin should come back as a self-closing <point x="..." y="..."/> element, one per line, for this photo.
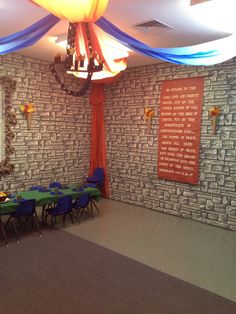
<point x="43" y="198"/>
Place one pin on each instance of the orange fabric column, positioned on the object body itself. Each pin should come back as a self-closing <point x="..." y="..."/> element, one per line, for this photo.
<point x="98" y="138"/>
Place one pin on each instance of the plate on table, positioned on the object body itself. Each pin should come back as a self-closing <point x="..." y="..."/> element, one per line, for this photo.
<point x="35" y="187"/>
<point x="44" y="190"/>
<point x="56" y="193"/>
<point x="78" y="189"/>
<point x="5" y="201"/>
<point x="63" y="187"/>
<point x="18" y="201"/>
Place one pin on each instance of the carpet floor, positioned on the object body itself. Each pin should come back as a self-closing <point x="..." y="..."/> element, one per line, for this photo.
<point x="62" y="273"/>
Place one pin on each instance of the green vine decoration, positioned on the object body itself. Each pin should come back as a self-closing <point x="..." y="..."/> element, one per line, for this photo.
<point x="8" y="86"/>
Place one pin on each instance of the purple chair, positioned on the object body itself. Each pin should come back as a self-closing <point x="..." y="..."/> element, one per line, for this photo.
<point x="97" y="178"/>
<point x="81" y="204"/>
<point x="25" y="210"/>
<point x="63" y="207"/>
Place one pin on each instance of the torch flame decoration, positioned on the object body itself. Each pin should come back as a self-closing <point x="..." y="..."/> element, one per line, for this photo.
<point x="148" y="115"/>
<point x="27" y="110"/>
<point x="214" y="112"/>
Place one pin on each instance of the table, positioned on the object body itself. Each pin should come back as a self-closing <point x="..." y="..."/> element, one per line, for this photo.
<point x="45" y="198"/>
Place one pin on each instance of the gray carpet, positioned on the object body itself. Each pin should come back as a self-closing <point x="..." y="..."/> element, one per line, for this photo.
<point x="62" y="273"/>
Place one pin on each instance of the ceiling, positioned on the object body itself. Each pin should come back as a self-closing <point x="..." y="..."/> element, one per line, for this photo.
<point x="188" y="22"/>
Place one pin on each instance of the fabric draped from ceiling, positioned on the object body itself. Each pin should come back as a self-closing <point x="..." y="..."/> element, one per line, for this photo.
<point x="209" y="53"/>
<point x="98" y="140"/>
<point x="74" y="10"/>
<point x="28" y="36"/>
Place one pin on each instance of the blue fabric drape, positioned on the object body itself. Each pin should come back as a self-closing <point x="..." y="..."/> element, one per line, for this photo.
<point x="209" y="53"/>
<point x="28" y="36"/>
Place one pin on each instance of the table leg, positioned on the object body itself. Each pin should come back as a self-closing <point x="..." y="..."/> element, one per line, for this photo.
<point x="43" y="214"/>
<point x="3" y="231"/>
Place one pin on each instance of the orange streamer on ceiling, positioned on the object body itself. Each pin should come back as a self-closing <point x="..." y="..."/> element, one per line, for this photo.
<point x="74" y="10"/>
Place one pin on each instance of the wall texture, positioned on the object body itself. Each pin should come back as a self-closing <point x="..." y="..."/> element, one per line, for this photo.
<point x="132" y="149"/>
<point x="58" y="145"/>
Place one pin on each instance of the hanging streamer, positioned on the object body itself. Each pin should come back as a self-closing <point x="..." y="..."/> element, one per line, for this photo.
<point x="209" y="53"/>
<point x="28" y="36"/>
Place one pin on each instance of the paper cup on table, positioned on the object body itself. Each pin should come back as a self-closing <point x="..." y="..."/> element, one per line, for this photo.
<point x="29" y="119"/>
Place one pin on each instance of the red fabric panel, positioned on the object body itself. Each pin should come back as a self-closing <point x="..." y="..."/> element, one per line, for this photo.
<point x="98" y="138"/>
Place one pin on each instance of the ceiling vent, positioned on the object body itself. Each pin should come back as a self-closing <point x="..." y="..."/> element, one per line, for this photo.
<point x="193" y="2"/>
<point x="151" y="25"/>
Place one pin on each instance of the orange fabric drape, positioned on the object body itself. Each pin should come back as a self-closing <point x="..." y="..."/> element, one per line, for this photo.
<point x="98" y="138"/>
<point x="74" y="10"/>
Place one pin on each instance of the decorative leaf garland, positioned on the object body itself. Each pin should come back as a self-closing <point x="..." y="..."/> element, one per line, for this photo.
<point x="79" y="93"/>
<point x="9" y="87"/>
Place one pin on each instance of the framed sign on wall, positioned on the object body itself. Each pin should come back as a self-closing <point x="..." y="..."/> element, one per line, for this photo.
<point x="179" y="129"/>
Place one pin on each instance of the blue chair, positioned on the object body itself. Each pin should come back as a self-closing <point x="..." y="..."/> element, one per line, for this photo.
<point x="97" y="178"/>
<point x="63" y="207"/>
<point x="81" y="204"/>
<point x="25" y="210"/>
<point x="91" y="199"/>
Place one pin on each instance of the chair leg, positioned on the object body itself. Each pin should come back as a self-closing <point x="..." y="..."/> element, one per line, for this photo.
<point x="52" y="224"/>
<point x="90" y="210"/>
<point x="43" y="215"/>
<point x="37" y="224"/>
<point x="26" y="219"/>
<point x="32" y="222"/>
<point x="8" y="220"/>
<point x="94" y="204"/>
<point x="64" y="219"/>
<point x="14" y="225"/>
<point x="82" y="211"/>
<point x="71" y="217"/>
<point x="75" y="213"/>
<point x="3" y="231"/>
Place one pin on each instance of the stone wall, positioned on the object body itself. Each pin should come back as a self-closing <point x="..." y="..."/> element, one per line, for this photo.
<point x="58" y="145"/>
<point x="132" y="149"/>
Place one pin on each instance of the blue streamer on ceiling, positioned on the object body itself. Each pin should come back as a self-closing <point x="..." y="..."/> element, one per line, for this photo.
<point x="206" y="54"/>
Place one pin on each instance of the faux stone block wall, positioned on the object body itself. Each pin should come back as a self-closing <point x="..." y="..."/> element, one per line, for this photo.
<point x="132" y="149"/>
<point x="58" y="145"/>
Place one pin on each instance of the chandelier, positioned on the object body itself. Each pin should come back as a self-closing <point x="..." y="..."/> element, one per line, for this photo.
<point x="91" y="54"/>
<point x="76" y="63"/>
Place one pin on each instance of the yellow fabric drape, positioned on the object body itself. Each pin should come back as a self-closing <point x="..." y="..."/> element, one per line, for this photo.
<point x="74" y="10"/>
